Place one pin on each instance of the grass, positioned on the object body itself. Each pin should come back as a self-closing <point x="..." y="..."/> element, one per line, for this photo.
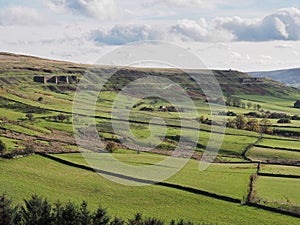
<point x="285" y="144"/>
<point x="21" y="129"/>
<point x="11" y="144"/>
<point x="280" y="169"/>
<point x="56" y="181"/>
<point x="281" y="190"/>
<point x="259" y="153"/>
<point x="224" y="179"/>
<point x="23" y="177"/>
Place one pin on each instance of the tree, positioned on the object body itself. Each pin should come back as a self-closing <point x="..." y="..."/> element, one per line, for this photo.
<point x="228" y="101"/>
<point x="2" y="147"/>
<point x="265" y="126"/>
<point x="100" y="217"/>
<point x="201" y="119"/>
<point x="6" y="211"/>
<point x="111" y="146"/>
<point x="61" y="117"/>
<point x="36" y="211"/>
<point x="243" y="105"/>
<point x="237" y="102"/>
<point x="137" y="220"/>
<point x="117" y="221"/>
<point x="249" y="104"/>
<point x="297" y="104"/>
<point x="252" y="125"/>
<point x="258" y="107"/>
<point x="29" y="116"/>
<point x="70" y="215"/>
<point x="284" y="120"/>
<point x="85" y="217"/>
<point x="240" y="122"/>
<point x="231" y="123"/>
<point x="57" y="214"/>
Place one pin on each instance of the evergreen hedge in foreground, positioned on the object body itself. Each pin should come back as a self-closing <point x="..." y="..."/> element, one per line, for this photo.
<point x="39" y="211"/>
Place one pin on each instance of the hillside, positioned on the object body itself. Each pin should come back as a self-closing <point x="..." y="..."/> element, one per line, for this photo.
<point x="254" y="178"/>
<point x="21" y="70"/>
<point x="290" y="76"/>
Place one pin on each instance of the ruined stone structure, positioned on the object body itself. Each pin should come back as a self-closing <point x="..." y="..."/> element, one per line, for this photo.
<point x="56" y="79"/>
<point x="251" y="80"/>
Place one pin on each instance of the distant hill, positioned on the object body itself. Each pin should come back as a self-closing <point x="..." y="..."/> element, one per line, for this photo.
<point x="290" y="76"/>
<point x="21" y="70"/>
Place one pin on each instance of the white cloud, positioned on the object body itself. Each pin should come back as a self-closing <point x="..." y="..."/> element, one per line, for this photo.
<point x="200" y="31"/>
<point x="99" y="9"/>
<point x="283" y="24"/>
<point x="123" y="34"/>
<point x="20" y="15"/>
<point x="185" y="3"/>
<point x="284" y="45"/>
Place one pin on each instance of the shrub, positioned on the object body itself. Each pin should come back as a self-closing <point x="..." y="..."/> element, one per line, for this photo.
<point x="6" y="211"/>
<point x="2" y="147"/>
<point x="117" y="221"/>
<point x="284" y="120"/>
<point x="111" y="146"/>
<point x="36" y="211"/>
<point x="297" y="104"/>
<point x="29" y="116"/>
<point x="100" y="217"/>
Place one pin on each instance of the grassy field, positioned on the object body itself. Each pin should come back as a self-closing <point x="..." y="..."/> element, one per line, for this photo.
<point x="11" y="144"/>
<point x="224" y="179"/>
<point x="20" y="178"/>
<point x="292" y="145"/>
<point x="280" y="190"/>
<point x="258" y="153"/>
<point x="56" y="181"/>
<point x="280" y="169"/>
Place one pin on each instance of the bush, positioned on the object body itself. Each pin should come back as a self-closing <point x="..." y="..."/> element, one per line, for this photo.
<point x="29" y="116"/>
<point x="2" y="147"/>
<point x="39" y="211"/>
<point x="7" y="212"/>
<point x="284" y="120"/>
<point x="111" y="146"/>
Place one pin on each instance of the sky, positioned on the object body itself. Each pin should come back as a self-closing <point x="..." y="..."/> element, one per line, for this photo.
<point x="251" y="35"/>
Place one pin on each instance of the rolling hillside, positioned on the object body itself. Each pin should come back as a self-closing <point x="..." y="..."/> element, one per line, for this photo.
<point x="19" y="70"/>
<point x="290" y="77"/>
<point x="253" y="180"/>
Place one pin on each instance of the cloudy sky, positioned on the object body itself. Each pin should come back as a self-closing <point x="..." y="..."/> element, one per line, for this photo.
<point x="245" y="35"/>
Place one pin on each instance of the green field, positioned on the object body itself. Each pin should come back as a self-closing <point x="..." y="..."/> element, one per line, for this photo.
<point x="56" y="181"/>
<point x="224" y="179"/>
<point x="258" y="153"/>
<point x="280" y="169"/>
<point x="292" y="145"/>
<point x="227" y="178"/>
<point x="278" y="190"/>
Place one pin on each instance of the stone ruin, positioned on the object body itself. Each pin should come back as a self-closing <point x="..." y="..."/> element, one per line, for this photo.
<point x="56" y="79"/>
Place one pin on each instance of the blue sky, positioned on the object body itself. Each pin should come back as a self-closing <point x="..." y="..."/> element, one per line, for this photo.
<point x="249" y="35"/>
